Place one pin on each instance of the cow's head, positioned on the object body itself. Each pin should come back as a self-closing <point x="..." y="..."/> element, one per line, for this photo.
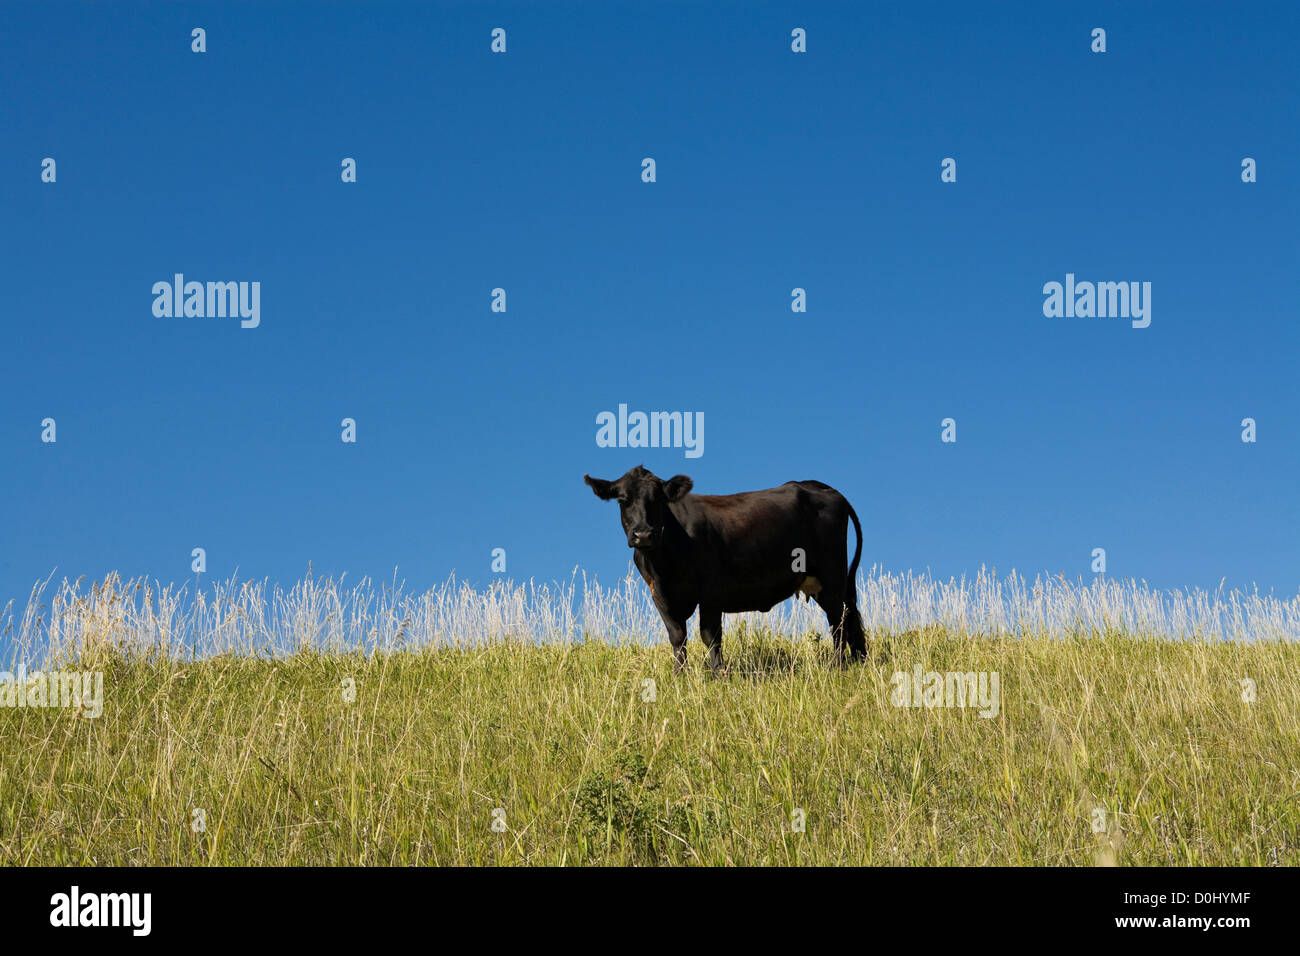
<point x="642" y="503"/>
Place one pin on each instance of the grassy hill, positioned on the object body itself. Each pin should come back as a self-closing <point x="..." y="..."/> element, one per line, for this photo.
<point x="1113" y="749"/>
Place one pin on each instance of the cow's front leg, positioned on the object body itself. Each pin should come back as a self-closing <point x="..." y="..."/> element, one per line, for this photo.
<point x="711" y="635"/>
<point x="676" y="637"/>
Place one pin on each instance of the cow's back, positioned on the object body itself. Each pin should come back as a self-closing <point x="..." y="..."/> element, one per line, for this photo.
<point x="748" y="545"/>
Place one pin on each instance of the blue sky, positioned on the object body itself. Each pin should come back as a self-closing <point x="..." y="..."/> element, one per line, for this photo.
<point x="775" y="170"/>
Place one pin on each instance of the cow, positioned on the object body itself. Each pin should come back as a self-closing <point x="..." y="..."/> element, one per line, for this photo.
<point x="743" y="552"/>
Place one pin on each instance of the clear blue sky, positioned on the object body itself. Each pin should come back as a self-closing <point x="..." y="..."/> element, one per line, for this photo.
<point x="523" y="171"/>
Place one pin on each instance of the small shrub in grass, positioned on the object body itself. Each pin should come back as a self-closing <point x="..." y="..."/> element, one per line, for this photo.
<point x="623" y="807"/>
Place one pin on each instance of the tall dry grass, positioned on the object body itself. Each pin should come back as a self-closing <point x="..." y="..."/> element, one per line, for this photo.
<point x="525" y="724"/>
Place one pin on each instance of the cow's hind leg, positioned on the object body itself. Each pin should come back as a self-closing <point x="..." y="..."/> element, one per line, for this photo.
<point x="711" y="635"/>
<point x="850" y="621"/>
<point x="842" y="615"/>
<point x="854" y="633"/>
<point x="831" y="603"/>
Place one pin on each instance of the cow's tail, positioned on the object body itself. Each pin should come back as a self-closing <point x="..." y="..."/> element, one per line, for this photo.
<point x="857" y="554"/>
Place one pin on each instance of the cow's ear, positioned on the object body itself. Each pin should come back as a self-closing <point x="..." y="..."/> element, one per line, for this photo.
<point x="677" y="487"/>
<point x="604" y="489"/>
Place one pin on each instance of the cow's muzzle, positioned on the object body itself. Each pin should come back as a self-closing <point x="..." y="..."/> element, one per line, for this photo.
<point x="642" y="539"/>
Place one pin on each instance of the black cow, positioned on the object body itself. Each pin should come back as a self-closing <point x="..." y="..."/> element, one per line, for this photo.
<point x="730" y="553"/>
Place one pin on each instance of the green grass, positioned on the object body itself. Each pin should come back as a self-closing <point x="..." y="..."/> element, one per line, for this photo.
<point x="584" y="770"/>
